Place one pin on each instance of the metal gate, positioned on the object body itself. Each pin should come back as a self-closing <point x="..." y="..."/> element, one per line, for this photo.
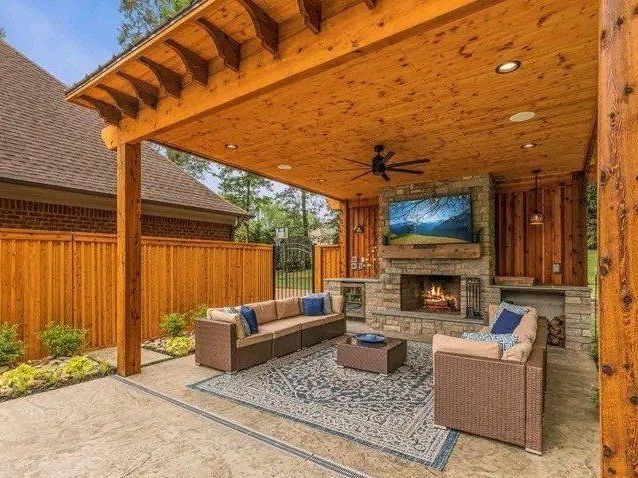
<point x="293" y="267"/>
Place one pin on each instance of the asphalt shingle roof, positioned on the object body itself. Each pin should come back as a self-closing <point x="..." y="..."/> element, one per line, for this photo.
<point x="46" y="141"/>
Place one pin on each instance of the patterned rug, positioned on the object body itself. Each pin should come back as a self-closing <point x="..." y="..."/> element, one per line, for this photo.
<point x="390" y="413"/>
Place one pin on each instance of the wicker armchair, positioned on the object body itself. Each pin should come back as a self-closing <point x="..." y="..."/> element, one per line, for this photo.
<point x="497" y="399"/>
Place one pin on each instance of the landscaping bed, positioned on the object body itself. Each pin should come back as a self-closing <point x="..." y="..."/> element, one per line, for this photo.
<point x="172" y="346"/>
<point x="49" y="373"/>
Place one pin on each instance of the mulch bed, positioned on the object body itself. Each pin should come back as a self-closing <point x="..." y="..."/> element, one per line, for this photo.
<point x="160" y="345"/>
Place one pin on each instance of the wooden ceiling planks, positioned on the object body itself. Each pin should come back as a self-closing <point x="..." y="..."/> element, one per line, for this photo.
<point x="434" y="94"/>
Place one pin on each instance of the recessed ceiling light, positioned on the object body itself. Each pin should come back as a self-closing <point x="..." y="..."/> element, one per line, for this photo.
<point x="321" y="180"/>
<point x="285" y="167"/>
<point x="522" y="116"/>
<point x="508" y="67"/>
<point x="528" y="145"/>
<point x="232" y="147"/>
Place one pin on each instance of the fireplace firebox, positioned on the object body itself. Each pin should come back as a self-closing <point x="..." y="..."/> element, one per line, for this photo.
<point x="431" y="293"/>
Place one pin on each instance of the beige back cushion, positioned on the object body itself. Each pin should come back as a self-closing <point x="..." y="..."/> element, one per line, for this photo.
<point x="337" y="304"/>
<point x="215" y="314"/>
<point x="518" y="352"/>
<point x="455" y="345"/>
<point x="287" y="307"/>
<point x="265" y="311"/>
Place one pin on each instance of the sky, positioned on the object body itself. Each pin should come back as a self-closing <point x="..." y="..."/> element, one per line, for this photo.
<point x="68" y="38"/>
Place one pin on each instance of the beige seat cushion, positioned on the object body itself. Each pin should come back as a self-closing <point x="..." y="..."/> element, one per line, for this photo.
<point x="254" y="339"/>
<point x="216" y="314"/>
<point x="455" y="345"/>
<point x="337" y="303"/>
<point x="280" y="328"/>
<point x="265" y="311"/>
<point x="287" y="307"/>
<point x="518" y="352"/>
<point x="310" y="322"/>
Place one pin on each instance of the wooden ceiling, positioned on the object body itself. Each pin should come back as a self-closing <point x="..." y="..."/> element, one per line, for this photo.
<point x="430" y="92"/>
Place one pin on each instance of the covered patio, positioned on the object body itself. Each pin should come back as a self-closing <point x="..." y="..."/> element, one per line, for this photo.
<point x="486" y="91"/>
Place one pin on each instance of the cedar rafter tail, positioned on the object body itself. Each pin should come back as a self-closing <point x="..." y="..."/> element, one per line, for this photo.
<point x="125" y="102"/>
<point x="228" y="49"/>
<point x="146" y="92"/>
<point x="195" y="64"/>
<point x="266" y="28"/>
<point x="311" y="12"/>
<point x="108" y="112"/>
<point x="170" y="80"/>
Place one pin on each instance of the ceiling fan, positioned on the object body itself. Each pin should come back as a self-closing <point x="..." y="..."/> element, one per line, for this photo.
<point x="380" y="166"/>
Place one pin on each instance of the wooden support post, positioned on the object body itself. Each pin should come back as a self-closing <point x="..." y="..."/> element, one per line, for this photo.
<point x="618" y="236"/>
<point x="129" y="259"/>
<point x="344" y="239"/>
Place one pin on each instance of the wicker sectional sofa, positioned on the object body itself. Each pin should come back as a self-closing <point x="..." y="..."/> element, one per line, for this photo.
<point x="220" y="343"/>
<point x="498" y="398"/>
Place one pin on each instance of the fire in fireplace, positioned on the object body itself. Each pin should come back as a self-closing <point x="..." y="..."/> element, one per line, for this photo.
<point x="431" y="293"/>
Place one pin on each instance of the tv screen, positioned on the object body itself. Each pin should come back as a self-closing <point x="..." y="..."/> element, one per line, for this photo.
<point x="435" y="220"/>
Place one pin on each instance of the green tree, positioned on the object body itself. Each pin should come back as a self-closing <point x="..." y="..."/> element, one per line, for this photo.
<point x="303" y="210"/>
<point x="139" y="18"/>
<point x="247" y="191"/>
<point x="3" y="33"/>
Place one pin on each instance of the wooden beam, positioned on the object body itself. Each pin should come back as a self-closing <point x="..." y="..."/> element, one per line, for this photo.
<point x="167" y="78"/>
<point x="195" y="64"/>
<point x="129" y="105"/>
<point x="107" y="111"/>
<point x="371" y="3"/>
<point x="228" y="49"/>
<point x="354" y="33"/>
<point x="618" y="237"/>
<point x="311" y="12"/>
<point x="146" y="92"/>
<point x="266" y="28"/>
<point x="129" y="259"/>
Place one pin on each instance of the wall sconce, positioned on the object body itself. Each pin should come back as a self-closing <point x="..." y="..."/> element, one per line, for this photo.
<point x="536" y="218"/>
<point x="359" y="228"/>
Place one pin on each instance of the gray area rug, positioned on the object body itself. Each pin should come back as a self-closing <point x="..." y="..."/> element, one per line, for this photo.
<point x="390" y="413"/>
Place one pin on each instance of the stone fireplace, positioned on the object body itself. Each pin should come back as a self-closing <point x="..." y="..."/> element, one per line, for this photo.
<point x="431" y="293"/>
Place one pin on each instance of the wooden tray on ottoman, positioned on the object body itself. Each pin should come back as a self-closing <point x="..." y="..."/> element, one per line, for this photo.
<point x="379" y="358"/>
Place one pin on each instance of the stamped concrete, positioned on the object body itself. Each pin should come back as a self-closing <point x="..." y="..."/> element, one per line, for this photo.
<point x="108" y="428"/>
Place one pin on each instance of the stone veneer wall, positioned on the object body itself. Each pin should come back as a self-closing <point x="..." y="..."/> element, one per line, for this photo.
<point x="388" y="315"/>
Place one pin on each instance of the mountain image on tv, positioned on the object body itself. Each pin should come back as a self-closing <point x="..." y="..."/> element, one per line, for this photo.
<point x="436" y="220"/>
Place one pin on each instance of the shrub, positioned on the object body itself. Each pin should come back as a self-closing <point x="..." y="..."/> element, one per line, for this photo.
<point x="593" y="346"/>
<point x="594" y="396"/>
<point x="80" y="366"/>
<point x="196" y="313"/>
<point x="178" y="346"/>
<point x="11" y="347"/>
<point x="173" y="324"/>
<point x="20" y="378"/>
<point x="62" y="340"/>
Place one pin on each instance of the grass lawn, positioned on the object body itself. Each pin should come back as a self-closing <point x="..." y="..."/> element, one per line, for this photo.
<point x="301" y="279"/>
<point x="592" y="267"/>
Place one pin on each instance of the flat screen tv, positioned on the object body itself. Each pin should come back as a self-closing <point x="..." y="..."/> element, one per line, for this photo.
<point x="434" y="220"/>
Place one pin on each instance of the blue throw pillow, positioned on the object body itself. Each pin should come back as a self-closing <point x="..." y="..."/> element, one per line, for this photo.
<point x="312" y="305"/>
<point x="327" y="302"/>
<point x="505" y="340"/>
<point x="506" y="322"/>
<point x="249" y="314"/>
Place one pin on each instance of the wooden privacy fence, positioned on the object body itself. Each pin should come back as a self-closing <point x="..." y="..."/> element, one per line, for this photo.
<point x="327" y="264"/>
<point x="70" y="278"/>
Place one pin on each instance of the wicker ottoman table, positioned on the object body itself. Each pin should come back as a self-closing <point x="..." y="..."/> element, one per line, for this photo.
<point x="382" y="358"/>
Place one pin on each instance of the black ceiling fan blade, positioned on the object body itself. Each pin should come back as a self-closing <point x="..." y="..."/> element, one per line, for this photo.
<point x="407" y="163"/>
<point x="345" y="170"/>
<point x="385" y="176"/>
<point x="388" y="157"/>
<point x="361" y="175"/>
<point x="400" y="170"/>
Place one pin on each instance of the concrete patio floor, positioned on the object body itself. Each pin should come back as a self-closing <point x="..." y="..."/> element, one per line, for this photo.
<point x="111" y="428"/>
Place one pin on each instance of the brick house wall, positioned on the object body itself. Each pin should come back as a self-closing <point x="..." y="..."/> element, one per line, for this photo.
<point x="19" y="214"/>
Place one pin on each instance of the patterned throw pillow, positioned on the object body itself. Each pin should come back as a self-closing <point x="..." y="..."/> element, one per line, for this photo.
<point x="505" y="341"/>
<point x="312" y="306"/>
<point x="249" y="315"/>
<point x="229" y="310"/>
<point x="517" y="309"/>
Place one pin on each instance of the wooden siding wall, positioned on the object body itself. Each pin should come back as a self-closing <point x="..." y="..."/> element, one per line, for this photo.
<point x="70" y="278"/>
<point x="363" y="245"/>
<point x="523" y="250"/>
<point x="327" y="264"/>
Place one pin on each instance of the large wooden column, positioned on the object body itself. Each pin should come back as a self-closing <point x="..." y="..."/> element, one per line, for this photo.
<point x="129" y="259"/>
<point x="618" y="236"/>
